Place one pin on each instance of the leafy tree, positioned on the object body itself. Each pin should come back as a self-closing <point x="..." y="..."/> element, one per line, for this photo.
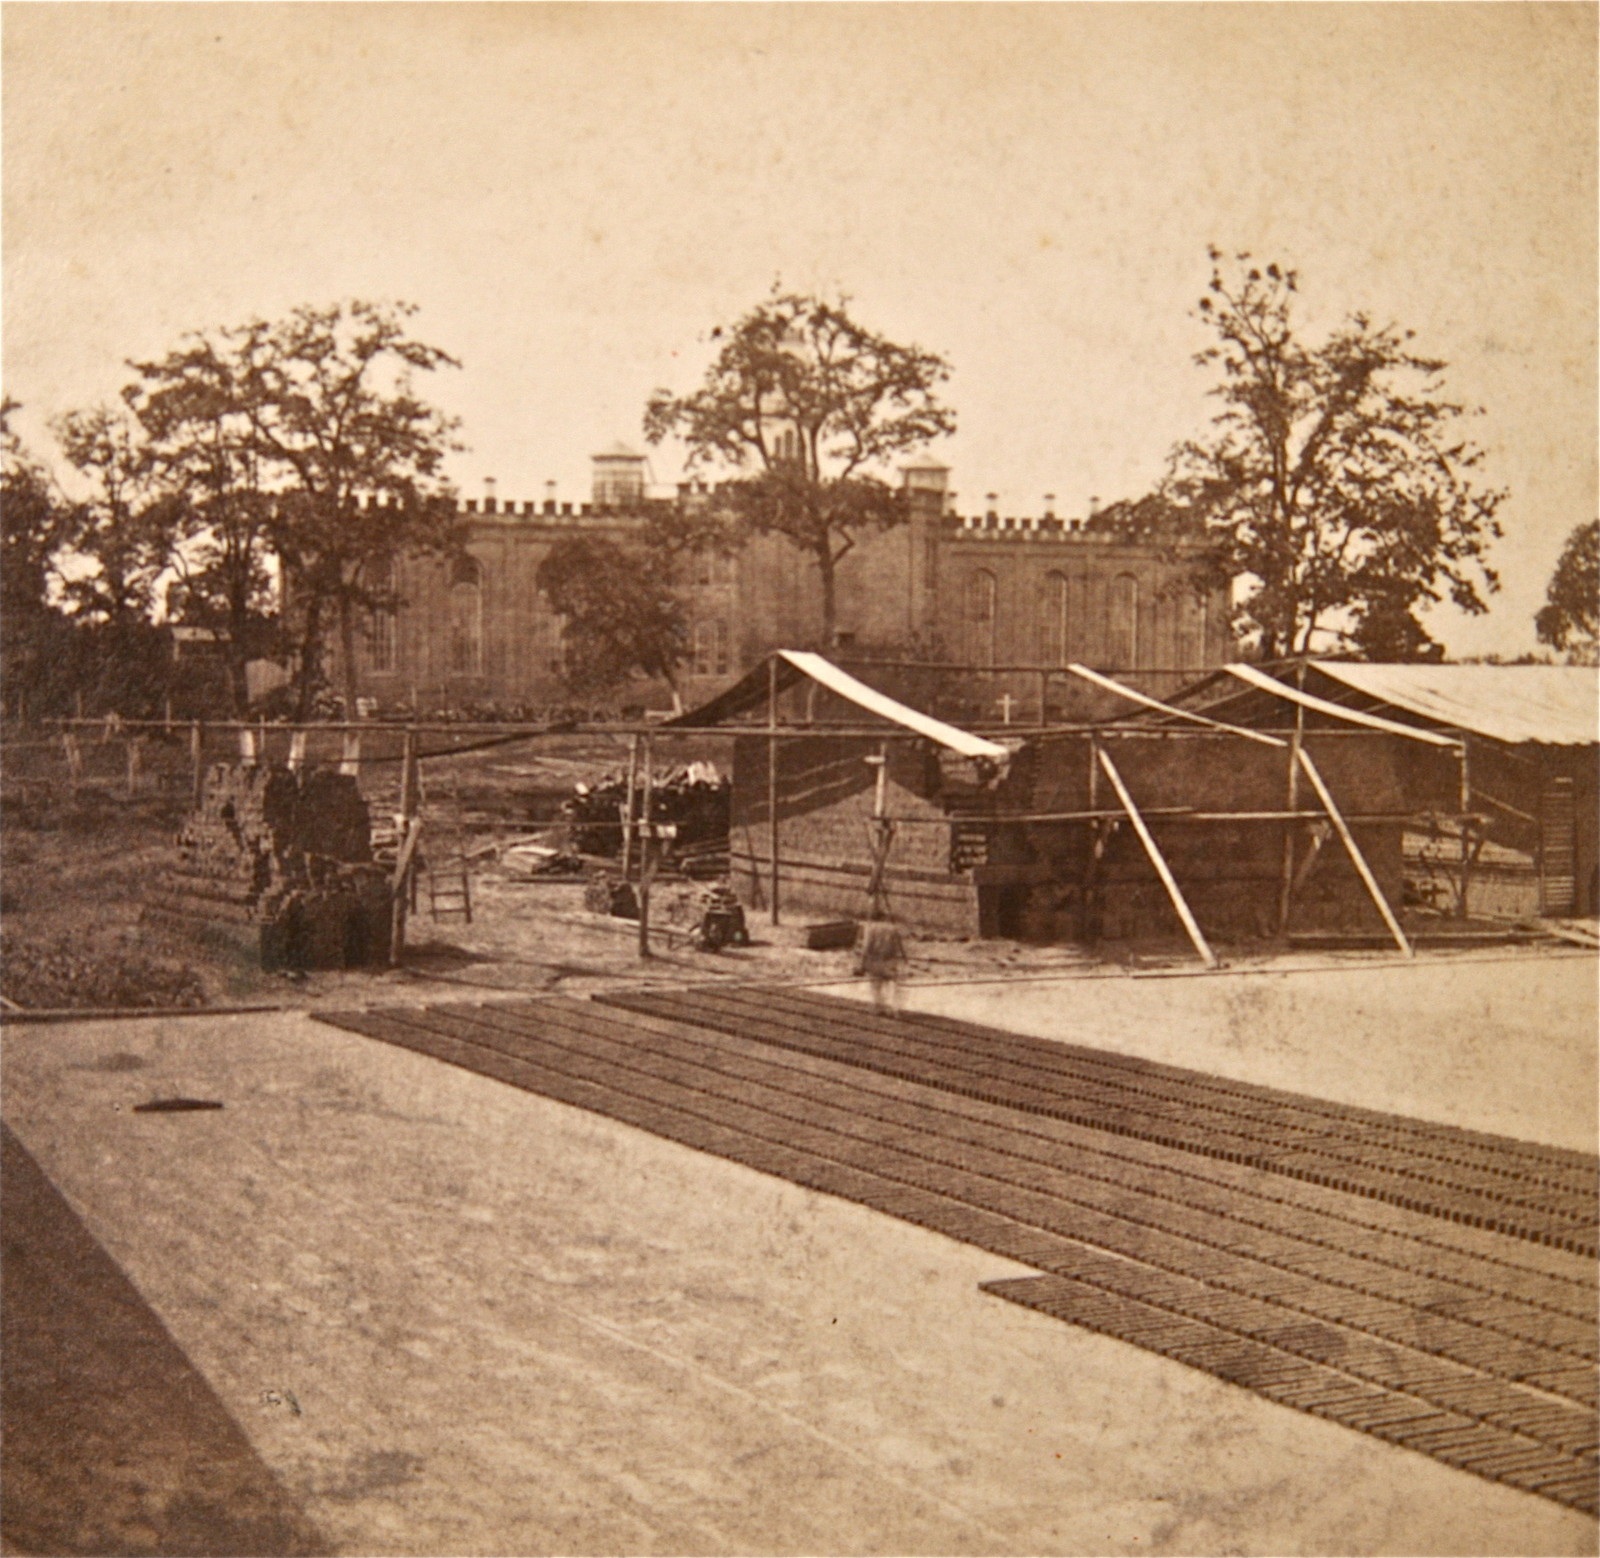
<point x="352" y="458"/>
<point x="622" y="612"/>
<point x="34" y="525"/>
<point x="201" y="439"/>
<point x="1569" y="620"/>
<point x="1336" y="484"/>
<point x="803" y="404"/>
<point x="127" y="526"/>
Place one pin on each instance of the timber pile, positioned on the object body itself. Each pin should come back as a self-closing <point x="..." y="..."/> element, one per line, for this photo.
<point x="286" y="856"/>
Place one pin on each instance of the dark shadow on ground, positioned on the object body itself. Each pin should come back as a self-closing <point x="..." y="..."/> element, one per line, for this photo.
<point x="114" y="1442"/>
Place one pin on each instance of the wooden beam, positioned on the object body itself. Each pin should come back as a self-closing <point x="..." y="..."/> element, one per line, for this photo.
<point x="1158" y="860"/>
<point x="1357" y="859"/>
<point x="1172" y="709"/>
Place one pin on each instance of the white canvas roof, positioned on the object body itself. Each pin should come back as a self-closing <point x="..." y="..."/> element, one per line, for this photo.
<point x="1556" y="704"/>
<point x="752" y="691"/>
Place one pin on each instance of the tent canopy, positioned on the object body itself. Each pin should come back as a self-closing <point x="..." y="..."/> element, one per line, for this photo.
<point x="786" y="668"/>
<point x="1555" y="704"/>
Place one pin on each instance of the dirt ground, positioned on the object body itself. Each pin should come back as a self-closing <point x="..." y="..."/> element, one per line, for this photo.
<point x="413" y="1311"/>
<point x="452" y="1317"/>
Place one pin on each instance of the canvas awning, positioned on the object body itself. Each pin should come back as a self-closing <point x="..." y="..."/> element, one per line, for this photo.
<point x="786" y="668"/>
<point x="1555" y="704"/>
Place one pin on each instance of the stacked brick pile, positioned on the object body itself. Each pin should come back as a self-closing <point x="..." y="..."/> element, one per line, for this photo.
<point x="286" y="857"/>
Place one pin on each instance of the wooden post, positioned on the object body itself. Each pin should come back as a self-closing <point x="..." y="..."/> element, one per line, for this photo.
<point x="1158" y="860"/>
<point x="772" y="778"/>
<point x="74" y="753"/>
<point x="247" y="746"/>
<point x="1461" y="830"/>
<point x="1286" y="884"/>
<point x="410" y="784"/>
<point x="1357" y="859"/>
<point x="882" y="831"/>
<point x="1044" y="697"/>
<point x="350" y="762"/>
<point x="134" y="744"/>
<point x="197" y="762"/>
<point x="398" y="888"/>
<point x="646" y="855"/>
<point x="627" y="816"/>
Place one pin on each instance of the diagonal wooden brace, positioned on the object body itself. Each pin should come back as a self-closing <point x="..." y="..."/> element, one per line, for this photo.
<point x="1357" y="859"/>
<point x="1158" y="860"/>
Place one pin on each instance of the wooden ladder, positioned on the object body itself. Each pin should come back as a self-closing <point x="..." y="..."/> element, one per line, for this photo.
<point x="450" y="888"/>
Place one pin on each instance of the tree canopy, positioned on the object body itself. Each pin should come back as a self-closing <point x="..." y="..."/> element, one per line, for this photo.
<point x="622" y="613"/>
<point x="804" y="407"/>
<point x="1569" y="620"/>
<point x="1336" y="488"/>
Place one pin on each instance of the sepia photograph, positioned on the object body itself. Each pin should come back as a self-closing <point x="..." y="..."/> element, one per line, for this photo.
<point x="799" y="778"/>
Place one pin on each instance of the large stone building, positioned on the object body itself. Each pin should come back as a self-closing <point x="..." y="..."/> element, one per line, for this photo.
<point x="993" y="593"/>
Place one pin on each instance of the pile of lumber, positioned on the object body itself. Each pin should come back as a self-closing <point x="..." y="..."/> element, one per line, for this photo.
<point x="287" y="855"/>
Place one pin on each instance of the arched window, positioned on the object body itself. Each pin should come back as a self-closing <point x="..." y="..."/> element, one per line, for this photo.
<point x="711" y="639"/>
<point x="980" y="617"/>
<point x="1193" y="619"/>
<point x="466" y="617"/>
<point x="1053" y="619"/>
<point x="383" y="621"/>
<point x="1124" y="644"/>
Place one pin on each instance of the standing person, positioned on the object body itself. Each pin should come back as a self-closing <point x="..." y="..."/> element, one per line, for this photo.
<point x="881" y="957"/>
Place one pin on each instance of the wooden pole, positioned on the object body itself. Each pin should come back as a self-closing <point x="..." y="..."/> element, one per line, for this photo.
<point x="627" y="816"/>
<point x="1158" y="860"/>
<point x="1357" y="859"/>
<point x="646" y="861"/>
<point x="74" y="754"/>
<point x="398" y="885"/>
<point x="1286" y="884"/>
<point x="197" y="762"/>
<point x="772" y="778"/>
<point x="134" y="743"/>
<point x="1462" y="826"/>
<point x="877" y="886"/>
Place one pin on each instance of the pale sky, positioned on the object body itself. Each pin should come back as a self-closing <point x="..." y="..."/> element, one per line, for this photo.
<point x="574" y="195"/>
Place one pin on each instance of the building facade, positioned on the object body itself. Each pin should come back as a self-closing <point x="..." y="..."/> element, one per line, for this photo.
<point x="996" y="594"/>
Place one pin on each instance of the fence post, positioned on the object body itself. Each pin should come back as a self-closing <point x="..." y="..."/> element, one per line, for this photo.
<point x="74" y="752"/>
<point x="197" y="765"/>
<point x="134" y="744"/>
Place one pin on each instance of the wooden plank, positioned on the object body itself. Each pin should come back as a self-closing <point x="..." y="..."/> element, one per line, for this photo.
<point x="1158" y="860"/>
<point x="1357" y="859"/>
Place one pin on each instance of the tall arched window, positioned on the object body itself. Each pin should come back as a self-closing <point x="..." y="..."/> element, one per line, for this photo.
<point x="711" y="643"/>
<point x="1193" y="619"/>
<point x="1053" y="619"/>
<point x="466" y="617"/>
<point x="1124" y="644"/>
<point x="383" y="621"/>
<point x="980" y="617"/>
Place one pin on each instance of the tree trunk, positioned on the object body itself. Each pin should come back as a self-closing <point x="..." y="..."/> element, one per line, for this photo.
<point x="825" y="570"/>
<point x="347" y="651"/>
<point x="310" y="657"/>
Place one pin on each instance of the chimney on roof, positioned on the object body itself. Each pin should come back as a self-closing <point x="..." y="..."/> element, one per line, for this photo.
<point x="488" y="495"/>
<point x="1049" y="505"/>
<point x="927" y="489"/>
<point x="550" y="496"/>
<point x="619" y="476"/>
